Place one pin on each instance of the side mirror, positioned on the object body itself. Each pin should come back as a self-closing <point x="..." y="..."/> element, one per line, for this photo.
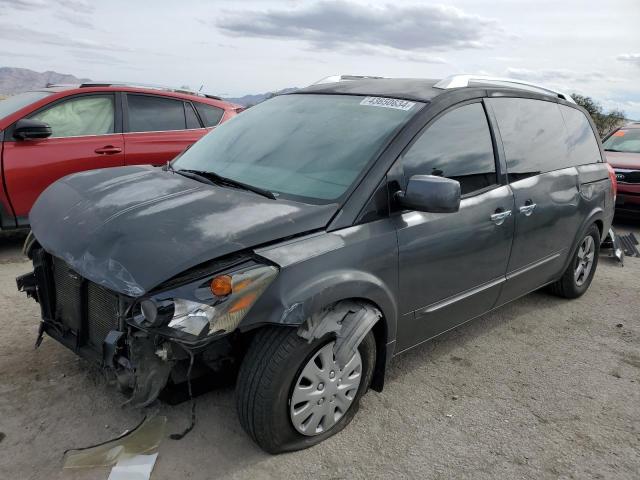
<point x="27" y="129"/>
<point x="428" y="193"/>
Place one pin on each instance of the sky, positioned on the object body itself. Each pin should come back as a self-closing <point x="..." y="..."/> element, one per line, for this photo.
<point x="238" y="47"/>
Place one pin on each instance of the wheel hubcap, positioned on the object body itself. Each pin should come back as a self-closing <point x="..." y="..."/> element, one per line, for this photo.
<point x="323" y="392"/>
<point x="584" y="260"/>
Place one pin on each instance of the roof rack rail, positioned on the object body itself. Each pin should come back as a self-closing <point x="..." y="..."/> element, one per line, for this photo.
<point x="458" y="81"/>
<point x="149" y="86"/>
<point x="343" y="78"/>
<point x="59" y="85"/>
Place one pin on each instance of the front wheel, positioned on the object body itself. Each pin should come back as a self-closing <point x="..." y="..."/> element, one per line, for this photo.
<point x="292" y="394"/>
<point x="579" y="274"/>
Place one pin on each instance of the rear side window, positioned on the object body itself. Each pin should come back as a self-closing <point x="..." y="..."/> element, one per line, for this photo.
<point x="209" y="114"/>
<point x="457" y="146"/>
<point x="533" y="135"/>
<point x="79" y="116"/>
<point x="155" y="114"/>
<point x="581" y="143"/>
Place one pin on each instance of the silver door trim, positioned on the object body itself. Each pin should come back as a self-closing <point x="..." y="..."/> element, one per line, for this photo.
<point x="533" y="265"/>
<point x="460" y="296"/>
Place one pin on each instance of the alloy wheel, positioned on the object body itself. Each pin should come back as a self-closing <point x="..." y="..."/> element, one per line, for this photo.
<point x="584" y="260"/>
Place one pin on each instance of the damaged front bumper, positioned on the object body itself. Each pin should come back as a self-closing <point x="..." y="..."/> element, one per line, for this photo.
<point x="100" y="325"/>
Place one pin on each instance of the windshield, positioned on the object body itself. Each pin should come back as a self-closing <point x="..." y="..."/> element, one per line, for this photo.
<point x="15" y="102"/>
<point x="624" y="141"/>
<point x="309" y="146"/>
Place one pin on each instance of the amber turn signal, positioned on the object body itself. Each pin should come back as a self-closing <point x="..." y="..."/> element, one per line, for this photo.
<point x="221" y="285"/>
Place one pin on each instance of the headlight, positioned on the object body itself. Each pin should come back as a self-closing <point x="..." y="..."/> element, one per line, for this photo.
<point x="215" y="306"/>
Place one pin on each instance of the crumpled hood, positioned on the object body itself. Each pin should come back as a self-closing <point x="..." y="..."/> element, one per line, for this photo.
<point x="131" y="228"/>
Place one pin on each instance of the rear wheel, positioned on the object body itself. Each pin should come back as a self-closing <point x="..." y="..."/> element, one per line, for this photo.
<point x="579" y="274"/>
<point x="292" y="394"/>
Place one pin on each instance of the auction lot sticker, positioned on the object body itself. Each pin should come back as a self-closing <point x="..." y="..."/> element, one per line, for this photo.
<point x="396" y="103"/>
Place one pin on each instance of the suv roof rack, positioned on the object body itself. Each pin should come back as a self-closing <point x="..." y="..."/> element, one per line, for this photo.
<point x="137" y="85"/>
<point x="343" y="78"/>
<point x="458" y="81"/>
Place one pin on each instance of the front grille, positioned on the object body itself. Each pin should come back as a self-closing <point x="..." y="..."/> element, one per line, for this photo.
<point x="102" y="313"/>
<point x="84" y="308"/>
<point x="68" y="291"/>
<point x="628" y="176"/>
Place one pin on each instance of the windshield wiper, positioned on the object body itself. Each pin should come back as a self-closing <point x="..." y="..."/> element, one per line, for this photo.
<point x="214" y="178"/>
<point x="613" y="150"/>
<point x="192" y="175"/>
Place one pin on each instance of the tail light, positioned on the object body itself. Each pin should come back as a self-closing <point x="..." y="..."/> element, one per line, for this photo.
<point x="614" y="181"/>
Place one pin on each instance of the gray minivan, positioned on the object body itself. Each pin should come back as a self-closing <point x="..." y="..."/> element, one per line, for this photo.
<point x="310" y="239"/>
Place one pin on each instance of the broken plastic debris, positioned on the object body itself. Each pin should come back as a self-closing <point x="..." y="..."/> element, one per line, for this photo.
<point x="133" y="468"/>
<point x="144" y="439"/>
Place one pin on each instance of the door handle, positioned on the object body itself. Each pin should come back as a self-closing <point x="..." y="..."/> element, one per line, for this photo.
<point x="108" y="150"/>
<point x="499" y="217"/>
<point x="528" y="208"/>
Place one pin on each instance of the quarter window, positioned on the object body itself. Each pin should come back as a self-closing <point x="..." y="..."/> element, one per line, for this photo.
<point x="155" y="114"/>
<point x="582" y="146"/>
<point x="80" y="116"/>
<point x="210" y="115"/>
<point x="190" y="114"/>
<point x="457" y="146"/>
<point x="533" y="134"/>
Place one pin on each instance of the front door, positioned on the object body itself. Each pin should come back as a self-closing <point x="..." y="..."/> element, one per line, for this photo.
<point x="452" y="265"/>
<point x="84" y="138"/>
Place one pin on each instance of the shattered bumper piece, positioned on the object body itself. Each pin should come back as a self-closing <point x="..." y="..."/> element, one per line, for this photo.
<point x="142" y="440"/>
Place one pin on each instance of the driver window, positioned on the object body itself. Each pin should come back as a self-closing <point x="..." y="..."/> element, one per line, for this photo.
<point x="80" y="116"/>
<point x="457" y="146"/>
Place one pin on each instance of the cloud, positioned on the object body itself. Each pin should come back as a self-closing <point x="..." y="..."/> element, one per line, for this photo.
<point x="345" y="25"/>
<point x="80" y="6"/>
<point x="76" y="12"/>
<point x="24" y="4"/>
<point x="12" y="32"/>
<point x="394" y="53"/>
<point x="96" y="57"/>
<point x="557" y="76"/>
<point x="632" y="58"/>
<point x="74" y="19"/>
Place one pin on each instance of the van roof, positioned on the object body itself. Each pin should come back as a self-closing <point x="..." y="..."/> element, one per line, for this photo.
<point x="422" y="90"/>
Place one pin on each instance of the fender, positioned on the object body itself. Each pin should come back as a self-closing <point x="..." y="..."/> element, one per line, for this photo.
<point x="595" y="216"/>
<point x="298" y="302"/>
<point x="307" y="287"/>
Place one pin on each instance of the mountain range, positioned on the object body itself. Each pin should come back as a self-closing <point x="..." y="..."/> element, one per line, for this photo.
<point x="16" y="80"/>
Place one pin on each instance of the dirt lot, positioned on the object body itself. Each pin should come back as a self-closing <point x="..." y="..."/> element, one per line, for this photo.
<point x="543" y="388"/>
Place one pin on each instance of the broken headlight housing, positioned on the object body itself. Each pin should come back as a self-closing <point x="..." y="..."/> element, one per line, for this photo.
<point x="213" y="306"/>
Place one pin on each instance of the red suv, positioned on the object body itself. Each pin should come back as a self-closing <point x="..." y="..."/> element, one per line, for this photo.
<point x="49" y="133"/>
<point x="622" y="148"/>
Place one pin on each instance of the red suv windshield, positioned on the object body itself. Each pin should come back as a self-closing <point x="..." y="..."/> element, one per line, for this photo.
<point x="623" y="141"/>
<point x="15" y="102"/>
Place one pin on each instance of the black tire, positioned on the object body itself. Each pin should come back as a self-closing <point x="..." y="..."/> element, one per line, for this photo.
<point x="272" y="364"/>
<point x="567" y="286"/>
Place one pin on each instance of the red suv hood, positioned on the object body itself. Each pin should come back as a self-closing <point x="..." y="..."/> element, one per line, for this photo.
<point x="624" y="160"/>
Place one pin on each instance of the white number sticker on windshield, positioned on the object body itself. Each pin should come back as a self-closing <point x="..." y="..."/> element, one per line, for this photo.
<point x="396" y="103"/>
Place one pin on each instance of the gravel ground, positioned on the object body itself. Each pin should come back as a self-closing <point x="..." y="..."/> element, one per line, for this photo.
<point x="542" y="388"/>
